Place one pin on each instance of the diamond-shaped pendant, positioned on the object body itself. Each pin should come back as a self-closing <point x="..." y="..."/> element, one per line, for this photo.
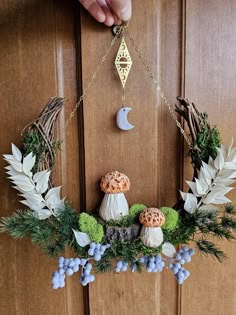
<point x="123" y="62"/>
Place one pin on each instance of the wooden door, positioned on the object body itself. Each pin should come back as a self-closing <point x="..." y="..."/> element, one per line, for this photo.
<point x="51" y="48"/>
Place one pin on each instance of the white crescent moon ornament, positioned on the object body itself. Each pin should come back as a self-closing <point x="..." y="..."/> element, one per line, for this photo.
<point x="121" y="119"/>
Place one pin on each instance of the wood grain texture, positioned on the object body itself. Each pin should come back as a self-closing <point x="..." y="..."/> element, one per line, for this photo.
<point x="37" y="61"/>
<point x="210" y="77"/>
<point x="149" y="154"/>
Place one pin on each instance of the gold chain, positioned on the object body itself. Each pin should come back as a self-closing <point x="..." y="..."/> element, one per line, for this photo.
<point x="93" y="77"/>
<point x="172" y="112"/>
<point x="123" y="29"/>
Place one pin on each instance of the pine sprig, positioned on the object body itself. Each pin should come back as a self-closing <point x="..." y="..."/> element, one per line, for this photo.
<point x="53" y="234"/>
<point x="209" y="248"/>
<point x="126" y="251"/>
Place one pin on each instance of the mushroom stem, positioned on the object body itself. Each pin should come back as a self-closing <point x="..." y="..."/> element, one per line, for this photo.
<point x="151" y="236"/>
<point x="113" y="207"/>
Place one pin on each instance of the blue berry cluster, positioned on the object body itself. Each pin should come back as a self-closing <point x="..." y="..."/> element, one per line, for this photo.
<point x="65" y="267"/>
<point x="183" y="256"/>
<point x="96" y="250"/>
<point x="153" y="263"/>
<point x="86" y="276"/>
<point x="121" y="266"/>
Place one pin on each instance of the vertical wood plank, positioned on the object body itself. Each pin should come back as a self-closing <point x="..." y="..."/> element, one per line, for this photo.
<point x="149" y="154"/>
<point x="37" y="61"/>
<point x="210" y="82"/>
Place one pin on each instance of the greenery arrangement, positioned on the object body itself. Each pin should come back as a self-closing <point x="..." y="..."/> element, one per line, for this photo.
<point x="143" y="237"/>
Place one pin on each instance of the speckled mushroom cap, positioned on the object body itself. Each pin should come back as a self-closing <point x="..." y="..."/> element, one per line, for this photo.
<point x="152" y="217"/>
<point x="115" y="182"/>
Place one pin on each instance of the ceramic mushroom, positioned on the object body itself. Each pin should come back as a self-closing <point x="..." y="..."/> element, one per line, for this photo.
<point x="151" y="233"/>
<point x="114" y="204"/>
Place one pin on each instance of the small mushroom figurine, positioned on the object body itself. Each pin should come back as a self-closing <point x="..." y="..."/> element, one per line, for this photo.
<point x="151" y="233"/>
<point x="114" y="204"/>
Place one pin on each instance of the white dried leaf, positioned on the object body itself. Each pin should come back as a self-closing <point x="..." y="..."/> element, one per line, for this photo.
<point x="183" y="195"/>
<point x="208" y="170"/>
<point x="53" y="199"/>
<point x="219" y="160"/>
<point x="208" y="208"/>
<point x="13" y="173"/>
<point x="226" y="174"/>
<point x="200" y="189"/>
<point x="33" y="206"/>
<point x="42" y="214"/>
<point x="16" y="152"/>
<point x="203" y="178"/>
<point x="20" y="177"/>
<point x="28" y="164"/>
<point x="168" y="249"/>
<point x="224" y="182"/>
<point x="215" y="198"/>
<point x="230" y="166"/>
<point x="8" y="157"/>
<point x="42" y="183"/>
<point x="81" y="238"/>
<point x="232" y="156"/>
<point x="34" y="198"/>
<point x="224" y="150"/>
<point x="221" y="189"/>
<point x="190" y="204"/>
<point x="211" y="161"/>
<point x="230" y="146"/>
<point x="193" y="187"/>
<point x="37" y="176"/>
<point x="17" y="166"/>
<point x="24" y="184"/>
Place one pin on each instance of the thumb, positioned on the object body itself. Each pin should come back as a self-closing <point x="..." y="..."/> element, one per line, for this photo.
<point x="122" y="8"/>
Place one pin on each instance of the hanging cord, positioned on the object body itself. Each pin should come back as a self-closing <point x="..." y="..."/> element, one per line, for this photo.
<point x="162" y="95"/>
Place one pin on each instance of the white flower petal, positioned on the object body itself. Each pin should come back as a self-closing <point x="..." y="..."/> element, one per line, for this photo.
<point x="16" y="152"/>
<point x="81" y="238"/>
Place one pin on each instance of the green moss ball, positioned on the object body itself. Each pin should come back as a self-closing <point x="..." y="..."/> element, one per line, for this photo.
<point x="171" y="218"/>
<point x="136" y="209"/>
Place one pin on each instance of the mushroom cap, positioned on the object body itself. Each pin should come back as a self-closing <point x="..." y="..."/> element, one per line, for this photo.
<point x="152" y="217"/>
<point x="115" y="182"/>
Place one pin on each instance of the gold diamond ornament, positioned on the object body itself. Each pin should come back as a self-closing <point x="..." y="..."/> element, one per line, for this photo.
<point x="123" y="62"/>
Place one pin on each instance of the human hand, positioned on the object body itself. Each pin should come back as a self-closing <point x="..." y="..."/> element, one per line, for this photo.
<point x="108" y="12"/>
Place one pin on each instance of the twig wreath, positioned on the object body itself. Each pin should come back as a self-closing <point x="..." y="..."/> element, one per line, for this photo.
<point x="117" y="236"/>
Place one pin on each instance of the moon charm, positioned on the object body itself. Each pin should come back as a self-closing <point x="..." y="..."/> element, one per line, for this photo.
<point x="121" y="119"/>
